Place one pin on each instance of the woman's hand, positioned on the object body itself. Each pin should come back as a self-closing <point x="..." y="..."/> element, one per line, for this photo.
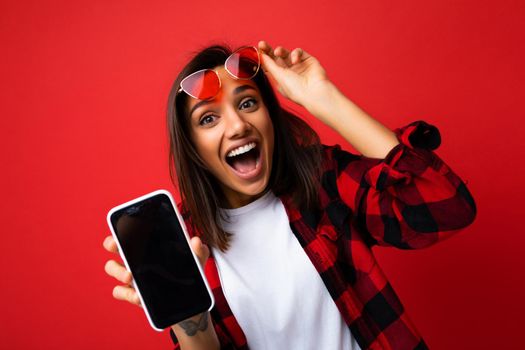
<point x="302" y="79"/>
<point x="298" y="75"/>
<point x="118" y="271"/>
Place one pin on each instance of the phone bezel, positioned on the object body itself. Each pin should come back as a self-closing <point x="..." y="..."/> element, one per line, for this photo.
<point x="184" y="230"/>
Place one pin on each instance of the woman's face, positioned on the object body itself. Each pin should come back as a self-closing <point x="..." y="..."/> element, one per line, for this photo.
<point x="233" y="134"/>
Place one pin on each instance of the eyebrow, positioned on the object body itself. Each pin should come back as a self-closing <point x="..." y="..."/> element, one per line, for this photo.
<point x="236" y="91"/>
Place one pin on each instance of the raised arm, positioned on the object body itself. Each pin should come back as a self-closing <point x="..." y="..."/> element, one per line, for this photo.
<point x="410" y="199"/>
<point x="401" y="192"/>
<point x="301" y="78"/>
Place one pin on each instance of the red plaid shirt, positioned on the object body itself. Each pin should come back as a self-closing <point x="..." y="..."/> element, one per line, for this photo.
<point x="409" y="200"/>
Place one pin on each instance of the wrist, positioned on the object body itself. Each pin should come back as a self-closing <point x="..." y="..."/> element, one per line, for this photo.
<point x="196" y="332"/>
<point x="320" y="98"/>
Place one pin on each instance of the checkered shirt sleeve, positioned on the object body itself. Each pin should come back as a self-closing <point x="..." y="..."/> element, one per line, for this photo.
<point x="410" y="199"/>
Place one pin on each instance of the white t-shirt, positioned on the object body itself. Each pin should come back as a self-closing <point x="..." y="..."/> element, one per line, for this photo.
<point x="272" y="287"/>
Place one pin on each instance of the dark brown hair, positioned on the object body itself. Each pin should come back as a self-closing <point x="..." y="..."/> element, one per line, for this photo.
<point x="296" y="155"/>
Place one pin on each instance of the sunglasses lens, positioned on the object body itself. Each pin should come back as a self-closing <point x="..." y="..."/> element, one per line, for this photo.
<point x="202" y="85"/>
<point x="243" y="63"/>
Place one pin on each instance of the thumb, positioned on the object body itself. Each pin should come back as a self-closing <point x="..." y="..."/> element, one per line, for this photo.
<point x="270" y="66"/>
<point x="272" y="70"/>
<point x="201" y="250"/>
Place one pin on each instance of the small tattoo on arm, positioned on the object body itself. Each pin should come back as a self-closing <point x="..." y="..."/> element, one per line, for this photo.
<point x="191" y="327"/>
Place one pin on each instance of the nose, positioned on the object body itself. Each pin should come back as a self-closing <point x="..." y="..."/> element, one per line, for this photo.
<point x="237" y="125"/>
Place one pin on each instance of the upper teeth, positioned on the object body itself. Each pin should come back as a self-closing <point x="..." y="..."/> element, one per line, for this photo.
<point x="241" y="150"/>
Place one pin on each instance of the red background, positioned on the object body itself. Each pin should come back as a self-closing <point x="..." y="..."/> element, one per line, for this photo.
<point x="82" y="103"/>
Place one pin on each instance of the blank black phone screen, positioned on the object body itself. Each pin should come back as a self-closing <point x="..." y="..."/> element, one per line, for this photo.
<point x="160" y="260"/>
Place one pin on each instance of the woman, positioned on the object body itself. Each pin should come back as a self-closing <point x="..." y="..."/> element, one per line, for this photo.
<point x="290" y="222"/>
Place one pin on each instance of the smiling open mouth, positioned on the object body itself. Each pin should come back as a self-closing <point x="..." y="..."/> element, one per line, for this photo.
<point x="244" y="160"/>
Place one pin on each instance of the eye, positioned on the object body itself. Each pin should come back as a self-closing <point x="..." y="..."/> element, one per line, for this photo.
<point x="248" y="103"/>
<point x="207" y="119"/>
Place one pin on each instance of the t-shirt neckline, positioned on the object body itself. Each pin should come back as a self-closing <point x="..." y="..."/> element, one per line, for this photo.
<point x="256" y="204"/>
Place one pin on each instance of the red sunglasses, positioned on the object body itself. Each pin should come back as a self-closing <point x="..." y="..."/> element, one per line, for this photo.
<point x="243" y="63"/>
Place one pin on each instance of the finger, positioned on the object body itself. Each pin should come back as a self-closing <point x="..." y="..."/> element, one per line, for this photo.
<point x="282" y="56"/>
<point x="296" y="55"/>
<point x="304" y="55"/>
<point x="281" y="52"/>
<point x="269" y="65"/>
<point x="116" y="270"/>
<point x="110" y="244"/>
<point x="271" y="69"/>
<point x="265" y="48"/>
<point x="263" y="45"/>
<point x="128" y="294"/>
<point x="201" y="250"/>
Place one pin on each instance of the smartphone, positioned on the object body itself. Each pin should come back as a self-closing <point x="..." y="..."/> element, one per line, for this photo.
<point x="155" y="247"/>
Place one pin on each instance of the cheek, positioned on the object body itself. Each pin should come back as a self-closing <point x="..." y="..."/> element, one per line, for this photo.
<point x="207" y="151"/>
<point x="207" y="147"/>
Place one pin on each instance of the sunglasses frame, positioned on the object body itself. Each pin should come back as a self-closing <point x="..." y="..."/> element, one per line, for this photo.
<point x="227" y="70"/>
